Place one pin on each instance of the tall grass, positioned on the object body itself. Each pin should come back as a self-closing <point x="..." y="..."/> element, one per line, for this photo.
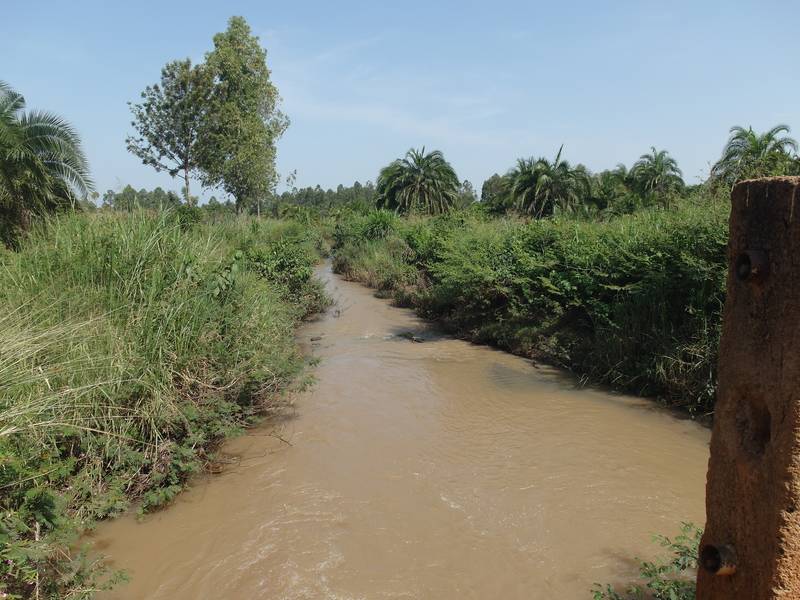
<point x="130" y="345"/>
<point x="634" y="301"/>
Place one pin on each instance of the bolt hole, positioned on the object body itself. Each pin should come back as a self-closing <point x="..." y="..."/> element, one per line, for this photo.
<point x="710" y="558"/>
<point x="719" y="560"/>
<point x="751" y="265"/>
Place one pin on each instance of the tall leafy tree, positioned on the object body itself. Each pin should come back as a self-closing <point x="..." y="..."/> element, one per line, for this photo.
<point x="243" y="122"/>
<point x="466" y="194"/>
<point x="657" y="173"/>
<point x="419" y="182"/>
<point x="750" y="154"/>
<point x="169" y="118"/>
<point x="539" y="187"/>
<point x="495" y="194"/>
<point x="42" y="164"/>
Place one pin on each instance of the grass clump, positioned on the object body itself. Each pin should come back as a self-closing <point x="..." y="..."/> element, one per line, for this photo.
<point x="130" y="346"/>
<point x="634" y="301"/>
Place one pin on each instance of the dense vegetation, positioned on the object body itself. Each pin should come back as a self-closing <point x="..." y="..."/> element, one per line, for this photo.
<point x="131" y="345"/>
<point x="136" y="337"/>
<point x="618" y="275"/>
<point x="129" y="199"/>
<point x="634" y="301"/>
<point x="750" y="154"/>
<point x="540" y="187"/>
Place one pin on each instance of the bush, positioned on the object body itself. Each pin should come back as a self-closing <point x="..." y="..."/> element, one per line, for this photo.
<point x="374" y="225"/>
<point x="132" y="344"/>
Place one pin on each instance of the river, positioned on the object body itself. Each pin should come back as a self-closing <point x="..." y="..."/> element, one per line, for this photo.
<point x="422" y="468"/>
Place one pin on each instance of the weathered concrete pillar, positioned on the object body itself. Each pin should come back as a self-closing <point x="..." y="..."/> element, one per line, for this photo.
<point x="751" y="546"/>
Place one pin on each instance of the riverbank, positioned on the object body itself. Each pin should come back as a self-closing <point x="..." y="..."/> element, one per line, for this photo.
<point x="633" y="302"/>
<point x="132" y="344"/>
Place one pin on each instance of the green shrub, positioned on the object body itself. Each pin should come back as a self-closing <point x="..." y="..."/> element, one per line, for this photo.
<point x="374" y="225"/>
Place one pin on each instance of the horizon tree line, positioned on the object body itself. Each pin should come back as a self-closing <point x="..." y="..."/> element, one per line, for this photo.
<point x="539" y="187"/>
<point x="187" y="125"/>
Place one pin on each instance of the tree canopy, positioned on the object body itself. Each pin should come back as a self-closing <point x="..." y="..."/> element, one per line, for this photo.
<point x="419" y="182"/>
<point x="657" y="173"/>
<point x="218" y="120"/>
<point x="243" y="122"/>
<point x="494" y="194"/>
<point x="749" y="154"/>
<point x="129" y="199"/>
<point x="540" y="186"/>
<point x="42" y="164"/>
<point x="168" y="121"/>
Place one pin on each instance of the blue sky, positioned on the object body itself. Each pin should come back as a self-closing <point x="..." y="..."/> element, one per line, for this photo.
<point x="485" y="82"/>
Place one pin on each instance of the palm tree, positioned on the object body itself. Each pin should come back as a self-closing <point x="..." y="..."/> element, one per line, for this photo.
<point x="42" y="165"/>
<point x="539" y="186"/>
<point x="418" y="183"/>
<point x="609" y="186"/>
<point x="749" y="154"/>
<point x="657" y="173"/>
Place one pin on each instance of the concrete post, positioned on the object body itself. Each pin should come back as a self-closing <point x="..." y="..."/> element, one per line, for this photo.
<point x="751" y="546"/>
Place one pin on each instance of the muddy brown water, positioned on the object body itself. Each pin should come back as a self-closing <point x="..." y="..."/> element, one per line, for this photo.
<point x="435" y="470"/>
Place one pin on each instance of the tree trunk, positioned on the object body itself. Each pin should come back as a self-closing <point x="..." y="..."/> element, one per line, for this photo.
<point x="186" y="185"/>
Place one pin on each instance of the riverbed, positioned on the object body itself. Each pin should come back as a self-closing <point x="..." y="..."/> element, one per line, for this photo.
<point x="421" y="466"/>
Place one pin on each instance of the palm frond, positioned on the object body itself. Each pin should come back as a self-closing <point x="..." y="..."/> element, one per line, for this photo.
<point x="42" y="163"/>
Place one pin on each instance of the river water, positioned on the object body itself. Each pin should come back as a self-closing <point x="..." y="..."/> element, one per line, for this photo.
<point x="428" y="468"/>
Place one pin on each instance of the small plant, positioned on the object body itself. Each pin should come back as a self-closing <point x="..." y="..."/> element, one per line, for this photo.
<point x="669" y="578"/>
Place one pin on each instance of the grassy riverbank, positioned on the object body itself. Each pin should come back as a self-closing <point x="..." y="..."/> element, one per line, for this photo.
<point x="634" y="301"/>
<point x="132" y="344"/>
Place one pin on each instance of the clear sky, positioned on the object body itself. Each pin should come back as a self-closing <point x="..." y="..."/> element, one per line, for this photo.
<point x="485" y="82"/>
